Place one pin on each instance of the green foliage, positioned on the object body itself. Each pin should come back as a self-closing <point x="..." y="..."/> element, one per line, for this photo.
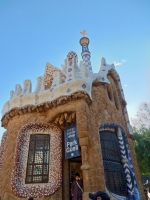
<point x="142" y="149"/>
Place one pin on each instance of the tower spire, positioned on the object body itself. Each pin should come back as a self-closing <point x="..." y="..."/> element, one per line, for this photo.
<point x="86" y="55"/>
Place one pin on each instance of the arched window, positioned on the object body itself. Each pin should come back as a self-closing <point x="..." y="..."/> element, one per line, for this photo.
<point x="113" y="168"/>
<point x="109" y="92"/>
<point x="116" y="101"/>
<point x="38" y="159"/>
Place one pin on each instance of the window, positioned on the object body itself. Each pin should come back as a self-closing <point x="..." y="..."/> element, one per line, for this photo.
<point x="115" y="102"/>
<point x="109" y="92"/>
<point x="113" y="168"/>
<point x="38" y="159"/>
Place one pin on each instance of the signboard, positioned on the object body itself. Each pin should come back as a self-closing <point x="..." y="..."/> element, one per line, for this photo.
<point x="71" y="142"/>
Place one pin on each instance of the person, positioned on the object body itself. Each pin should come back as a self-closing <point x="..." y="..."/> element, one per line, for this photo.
<point x="76" y="188"/>
<point x="99" y="196"/>
<point x="31" y="198"/>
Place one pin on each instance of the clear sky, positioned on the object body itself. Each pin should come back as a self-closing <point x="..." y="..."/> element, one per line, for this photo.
<point x="33" y="32"/>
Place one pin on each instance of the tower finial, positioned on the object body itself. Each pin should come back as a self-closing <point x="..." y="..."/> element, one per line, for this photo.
<point x="83" y="33"/>
<point x="84" y="42"/>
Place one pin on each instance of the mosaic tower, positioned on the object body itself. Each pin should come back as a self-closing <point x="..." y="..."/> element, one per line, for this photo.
<point x="84" y="42"/>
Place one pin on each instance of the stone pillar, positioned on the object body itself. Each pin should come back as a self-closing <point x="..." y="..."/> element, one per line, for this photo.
<point x="85" y="166"/>
<point x="82" y="128"/>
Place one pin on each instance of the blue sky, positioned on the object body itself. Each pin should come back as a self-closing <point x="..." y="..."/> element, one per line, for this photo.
<point x="35" y="32"/>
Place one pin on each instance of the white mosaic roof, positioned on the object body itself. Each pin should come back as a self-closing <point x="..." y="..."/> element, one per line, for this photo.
<point x="56" y="83"/>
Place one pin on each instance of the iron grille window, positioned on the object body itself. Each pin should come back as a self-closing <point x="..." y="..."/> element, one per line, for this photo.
<point x="38" y="159"/>
<point x="113" y="168"/>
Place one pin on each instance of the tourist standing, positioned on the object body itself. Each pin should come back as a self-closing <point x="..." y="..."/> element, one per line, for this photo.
<point x="76" y="188"/>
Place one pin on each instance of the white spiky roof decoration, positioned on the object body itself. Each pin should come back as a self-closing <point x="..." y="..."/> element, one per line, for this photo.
<point x="56" y="83"/>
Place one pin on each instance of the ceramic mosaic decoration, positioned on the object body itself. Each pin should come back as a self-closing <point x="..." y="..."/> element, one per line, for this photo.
<point x="21" y="155"/>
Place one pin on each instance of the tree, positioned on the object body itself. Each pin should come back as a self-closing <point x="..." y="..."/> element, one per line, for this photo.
<point x="141" y="133"/>
<point x="142" y="118"/>
<point x="142" y="149"/>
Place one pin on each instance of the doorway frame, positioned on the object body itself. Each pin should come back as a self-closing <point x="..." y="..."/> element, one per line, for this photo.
<point x="72" y="160"/>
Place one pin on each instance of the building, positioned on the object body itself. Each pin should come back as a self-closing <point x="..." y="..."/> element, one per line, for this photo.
<point x="74" y="121"/>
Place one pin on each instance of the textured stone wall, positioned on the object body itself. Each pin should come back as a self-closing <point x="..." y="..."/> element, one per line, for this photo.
<point x="8" y="158"/>
<point x="88" y="119"/>
<point x="101" y="111"/>
<point x="104" y="110"/>
<point x="66" y="180"/>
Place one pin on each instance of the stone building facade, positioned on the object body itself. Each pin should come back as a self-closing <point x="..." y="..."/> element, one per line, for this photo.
<point x="32" y="153"/>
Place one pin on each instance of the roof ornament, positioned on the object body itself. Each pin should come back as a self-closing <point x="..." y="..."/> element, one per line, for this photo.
<point x="83" y="33"/>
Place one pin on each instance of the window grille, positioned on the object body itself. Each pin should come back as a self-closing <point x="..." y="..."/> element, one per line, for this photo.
<point x="113" y="168"/>
<point x="38" y="159"/>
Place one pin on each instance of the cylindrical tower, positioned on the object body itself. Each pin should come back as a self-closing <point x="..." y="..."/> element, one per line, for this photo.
<point x="86" y="55"/>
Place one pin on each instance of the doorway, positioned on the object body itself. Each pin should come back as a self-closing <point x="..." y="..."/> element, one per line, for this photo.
<point x="74" y="167"/>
